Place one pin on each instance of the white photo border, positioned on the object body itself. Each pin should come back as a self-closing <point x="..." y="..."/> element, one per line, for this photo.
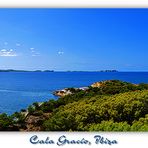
<point x="124" y="139"/>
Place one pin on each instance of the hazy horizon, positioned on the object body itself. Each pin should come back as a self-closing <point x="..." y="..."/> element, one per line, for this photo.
<point x="68" y="70"/>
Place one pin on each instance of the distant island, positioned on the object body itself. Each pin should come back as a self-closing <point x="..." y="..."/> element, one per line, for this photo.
<point x="108" y="70"/>
<point x="96" y="71"/>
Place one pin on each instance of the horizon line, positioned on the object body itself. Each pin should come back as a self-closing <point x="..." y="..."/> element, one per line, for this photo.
<point x="47" y="70"/>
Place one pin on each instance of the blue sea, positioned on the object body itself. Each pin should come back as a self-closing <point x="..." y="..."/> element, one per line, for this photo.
<point x="20" y="89"/>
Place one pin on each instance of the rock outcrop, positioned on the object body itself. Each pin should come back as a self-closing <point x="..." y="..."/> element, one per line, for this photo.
<point x="68" y="91"/>
<point x="97" y="84"/>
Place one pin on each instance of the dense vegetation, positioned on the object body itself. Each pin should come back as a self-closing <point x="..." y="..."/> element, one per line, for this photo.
<point x="114" y="106"/>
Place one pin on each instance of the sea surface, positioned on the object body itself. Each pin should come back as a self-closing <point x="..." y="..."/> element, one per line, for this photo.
<point x="20" y="89"/>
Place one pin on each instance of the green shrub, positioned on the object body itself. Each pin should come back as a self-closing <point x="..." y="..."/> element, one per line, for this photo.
<point x="110" y="126"/>
<point x="120" y="108"/>
<point x="5" y="122"/>
<point x="140" y="125"/>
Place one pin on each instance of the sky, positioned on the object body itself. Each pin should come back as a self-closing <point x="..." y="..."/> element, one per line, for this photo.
<point x="74" y="39"/>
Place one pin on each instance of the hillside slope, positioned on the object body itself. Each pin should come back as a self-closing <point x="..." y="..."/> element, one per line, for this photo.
<point x="112" y="105"/>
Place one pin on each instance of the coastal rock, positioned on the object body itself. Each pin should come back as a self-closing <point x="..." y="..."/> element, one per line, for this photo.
<point x="99" y="84"/>
<point x="33" y="123"/>
<point x="62" y="93"/>
<point x="96" y="84"/>
<point x="68" y="91"/>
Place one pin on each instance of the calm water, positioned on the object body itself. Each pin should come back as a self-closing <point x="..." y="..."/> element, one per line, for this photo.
<point x="20" y="89"/>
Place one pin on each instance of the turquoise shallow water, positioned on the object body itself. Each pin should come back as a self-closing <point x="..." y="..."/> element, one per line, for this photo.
<point x="20" y="89"/>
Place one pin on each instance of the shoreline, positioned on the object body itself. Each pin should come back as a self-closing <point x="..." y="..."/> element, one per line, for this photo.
<point x="36" y="115"/>
<point x="63" y="92"/>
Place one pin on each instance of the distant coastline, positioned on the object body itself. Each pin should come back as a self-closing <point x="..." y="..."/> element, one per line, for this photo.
<point x="13" y="70"/>
<point x="67" y="71"/>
